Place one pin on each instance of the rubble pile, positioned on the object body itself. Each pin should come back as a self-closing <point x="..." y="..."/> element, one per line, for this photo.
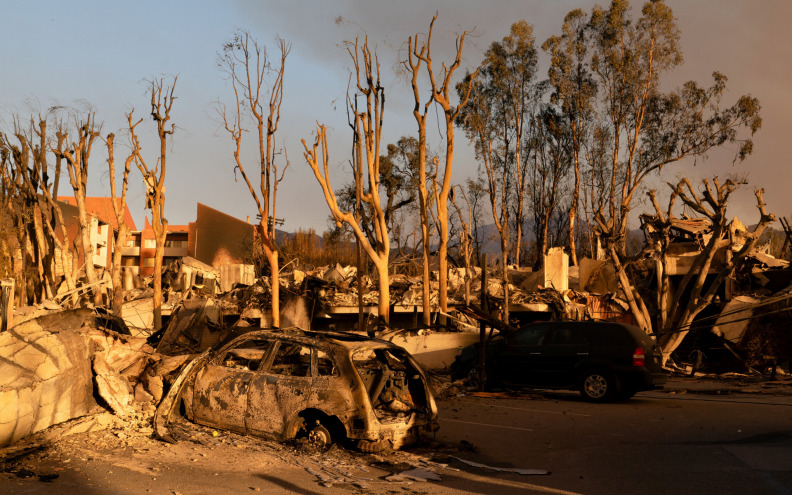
<point x="45" y="374"/>
<point x="57" y="364"/>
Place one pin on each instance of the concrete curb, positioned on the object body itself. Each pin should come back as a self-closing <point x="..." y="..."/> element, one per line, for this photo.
<point x="728" y="386"/>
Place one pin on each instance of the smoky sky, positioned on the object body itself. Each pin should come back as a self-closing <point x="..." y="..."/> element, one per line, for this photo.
<point x="102" y="53"/>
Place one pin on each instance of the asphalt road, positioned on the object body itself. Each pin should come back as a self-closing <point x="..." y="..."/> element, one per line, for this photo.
<point x="654" y="443"/>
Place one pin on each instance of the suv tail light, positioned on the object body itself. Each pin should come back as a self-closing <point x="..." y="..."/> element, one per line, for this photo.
<point x="638" y="357"/>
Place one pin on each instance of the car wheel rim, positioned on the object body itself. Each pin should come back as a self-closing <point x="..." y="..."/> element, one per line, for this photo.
<point x="596" y="386"/>
<point x="319" y="436"/>
<point x="473" y="378"/>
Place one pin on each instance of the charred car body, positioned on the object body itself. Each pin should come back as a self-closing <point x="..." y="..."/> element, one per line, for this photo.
<point x="286" y="384"/>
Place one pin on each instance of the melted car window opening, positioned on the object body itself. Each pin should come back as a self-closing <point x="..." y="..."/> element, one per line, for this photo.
<point x="325" y="365"/>
<point x="248" y="356"/>
<point x="292" y="360"/>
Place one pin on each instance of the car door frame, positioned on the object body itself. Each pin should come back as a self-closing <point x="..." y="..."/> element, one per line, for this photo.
<point x="274" y="399"/>
<point x="520" y="363"/>
<point x="220" y="392"/>
<point x="561" y="361"/>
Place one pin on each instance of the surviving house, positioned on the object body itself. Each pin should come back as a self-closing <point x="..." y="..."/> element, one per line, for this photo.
<point x="102" y="225"/>
<point x="214" y="238"/>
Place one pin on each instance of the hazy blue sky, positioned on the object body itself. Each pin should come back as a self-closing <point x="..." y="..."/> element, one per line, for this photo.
<point x="102" y="53"/>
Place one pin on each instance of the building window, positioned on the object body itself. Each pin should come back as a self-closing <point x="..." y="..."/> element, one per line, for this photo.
<point x="172" y="243"/>
<point x="148" y="263"/>
<point x="133" y="242"/>
<point x="129" y="261"/>
<point x="149" y="243"/>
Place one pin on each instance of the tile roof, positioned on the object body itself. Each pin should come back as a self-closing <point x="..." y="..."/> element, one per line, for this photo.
<point x="102" y="207"/>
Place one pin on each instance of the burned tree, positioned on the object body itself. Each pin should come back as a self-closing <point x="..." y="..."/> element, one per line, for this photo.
<point x="119" y="207"/>
<point x="77" y="156"/>
<point x="415" y="58"/>
<point x="368" y="132"/>
<point x="31" y="194"/>
<point x="441" y="84"/>
<point x="712" y="205"/>
<point x="477" y="122"/>
<point x="162" y="99"/>
<point x="21" y="183"/>
<point x="549" y="147"/>
<point x="256" y="83"/>
<point x="499" y="113"/>
<point x="678" y="305"/>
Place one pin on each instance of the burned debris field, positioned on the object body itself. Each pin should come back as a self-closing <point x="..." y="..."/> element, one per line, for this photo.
<point x="533" y="278"/>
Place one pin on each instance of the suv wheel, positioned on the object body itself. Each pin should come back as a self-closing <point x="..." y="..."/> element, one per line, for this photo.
<point x="474" y="377"/>
<point x="598" y="385"/>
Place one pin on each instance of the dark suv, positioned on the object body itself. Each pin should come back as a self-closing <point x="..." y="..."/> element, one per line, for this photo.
<point x="605" y="361"/>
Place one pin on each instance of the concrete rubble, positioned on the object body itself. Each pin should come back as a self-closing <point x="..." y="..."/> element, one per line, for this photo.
<point x="45" y="374"/>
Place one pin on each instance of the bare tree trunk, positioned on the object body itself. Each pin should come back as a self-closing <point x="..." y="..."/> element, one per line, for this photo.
<point x="161" y="106"/>
<point x="272" y="259"/>
<point x="573" y="208"/>
<point x="121" y="233"/>
<point x="440" y="94"/>
<point x="415" y="57"/>
<point x="634" y="300"/>
<point x="504" y="260"/>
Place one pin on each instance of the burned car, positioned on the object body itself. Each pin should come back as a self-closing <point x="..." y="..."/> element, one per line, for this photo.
<point x="324" y="386"/>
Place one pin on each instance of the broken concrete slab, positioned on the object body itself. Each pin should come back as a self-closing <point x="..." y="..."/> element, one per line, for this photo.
<point x="432" y="350"/>
<point x="45" y="374"/>
<point x="126" y="355"/>
<point x="138" y="314"/>
<point x="230" y="275"/>
<point x="735" y="318"/>
<point x="113" y="388"/>
<point x="556" y="269"/>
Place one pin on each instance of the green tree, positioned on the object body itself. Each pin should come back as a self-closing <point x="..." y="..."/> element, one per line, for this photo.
<point x="649" y="129"/>
<point x="550" y="145"/>
<point x="573" y="92"/>
<point x="503" y="100"/>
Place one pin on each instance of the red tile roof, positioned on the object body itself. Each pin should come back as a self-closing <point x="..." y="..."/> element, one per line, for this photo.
<point x="102" y="207"/>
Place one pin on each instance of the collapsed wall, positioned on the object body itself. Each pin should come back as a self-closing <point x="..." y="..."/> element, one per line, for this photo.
<point x="45" y="374"/>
